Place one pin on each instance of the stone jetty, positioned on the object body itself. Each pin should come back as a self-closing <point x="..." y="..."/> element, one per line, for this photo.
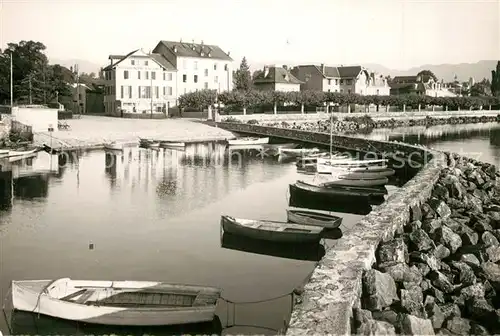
<point x="441" y="272"/>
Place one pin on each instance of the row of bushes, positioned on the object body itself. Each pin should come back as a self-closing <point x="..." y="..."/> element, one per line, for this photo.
<point x="252" y="99"/>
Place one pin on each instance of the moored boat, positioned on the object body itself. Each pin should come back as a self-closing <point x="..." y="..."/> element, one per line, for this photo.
<point x="380" y="181"/>
<point x="309" y="217"/>
<point x="271" y="230"/>
<point x="296" y="152"/>
<point x="248" y="141"/>
<point x="366" y="174"/>
<point x="19" y="153"/>
<point x="141" y="303"/>
<point x="304" y="188"/>
<point x="113" y="146"/>
<point x="312" y="160"/>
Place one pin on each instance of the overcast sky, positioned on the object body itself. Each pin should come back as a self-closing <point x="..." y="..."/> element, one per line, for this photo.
<point x="395" y="33"/>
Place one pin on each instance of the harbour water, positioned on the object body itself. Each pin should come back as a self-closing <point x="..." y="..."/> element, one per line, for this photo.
<point x="154" y="215"/>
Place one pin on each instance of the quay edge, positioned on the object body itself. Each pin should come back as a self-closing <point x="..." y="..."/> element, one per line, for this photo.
<point x="335" y="287"/>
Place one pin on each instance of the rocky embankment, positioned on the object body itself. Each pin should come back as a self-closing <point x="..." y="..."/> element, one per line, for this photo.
<point x="441" y="272"/>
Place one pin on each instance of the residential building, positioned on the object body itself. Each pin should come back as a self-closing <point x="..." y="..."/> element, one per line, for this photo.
<point x="274" y="78"/>
<point x="79" y="94"/>
<point x="343" y="79"/>
<point x="199" y="66"/>
<point x="139" y="82"/>
<point x="421" y="85"/>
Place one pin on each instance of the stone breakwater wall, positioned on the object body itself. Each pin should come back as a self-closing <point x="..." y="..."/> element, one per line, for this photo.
<point x="425" y="262"/>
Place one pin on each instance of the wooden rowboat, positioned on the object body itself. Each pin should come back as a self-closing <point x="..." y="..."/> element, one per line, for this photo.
<point x="380" y="181"/>
<point x="141" y="303"/>
<point x="336" y="190"/>
<point x="271" y="230"/>
<point x="296" y="152"/>
<point x="361" y="175"/>
<point x="248" y="141"/>
<point x="308" y="217"/>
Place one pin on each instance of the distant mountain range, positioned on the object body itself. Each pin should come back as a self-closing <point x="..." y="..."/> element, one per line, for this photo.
<point x="447" y="72"/>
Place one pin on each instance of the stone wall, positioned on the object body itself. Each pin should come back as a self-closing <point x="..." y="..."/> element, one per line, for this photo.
<point x="440" y="272"/>
<point x="374" y="115"/>
<point x="5" y="126"/>
<point x="331" y="300"/>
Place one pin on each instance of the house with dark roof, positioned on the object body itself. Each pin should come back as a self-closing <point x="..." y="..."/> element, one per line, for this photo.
<point x="139" y="82"/>
<point x="343" y="79"/>
<point x="420" y="85"/>
<point x="274" y="78"/>
<point x="199" y="65"/>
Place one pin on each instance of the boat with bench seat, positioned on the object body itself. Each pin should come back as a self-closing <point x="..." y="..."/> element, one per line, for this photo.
<point x="139" y="303"/>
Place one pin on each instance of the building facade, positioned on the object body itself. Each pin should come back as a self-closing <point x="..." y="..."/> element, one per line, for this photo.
<point x="344" y="79"/>
<point x="139" y="83"/>
<point x="274" y="78"/>
<point x="199" y="66"/>
<point x="420" y="85"/>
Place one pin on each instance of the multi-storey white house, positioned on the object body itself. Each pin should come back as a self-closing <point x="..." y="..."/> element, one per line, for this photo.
<point x="199" y="66"/>
<point x="343" y="79"/>
<point x="139" y="83"/>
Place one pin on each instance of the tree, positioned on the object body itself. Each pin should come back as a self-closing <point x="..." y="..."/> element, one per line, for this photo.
<point x="424" y="74"/>
<point x="242" y="77"/>
<point x="495" y="80"/>
<point x="34" y="80"/>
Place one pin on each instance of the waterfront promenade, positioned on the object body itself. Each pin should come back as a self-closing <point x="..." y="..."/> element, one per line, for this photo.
<point x="94" y="131"/>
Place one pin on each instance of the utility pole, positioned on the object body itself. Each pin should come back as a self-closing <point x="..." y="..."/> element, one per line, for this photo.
<point x="77" y="89"/>
<point x="151" y="92"/>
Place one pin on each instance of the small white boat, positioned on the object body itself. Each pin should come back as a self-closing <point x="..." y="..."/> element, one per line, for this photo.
<point x="380" y="181"/>
<point x="296" y="152"/>
<point x="248" y="141"/>
<point x="352" y="163"/>
<point x="362" y="175"/>
<point x="130" y="303"/>
<point x="271" y="230"/>
<point x="309" y="217"/>
<point x="113" y="146"/>
<point x="13" y="153"/>
<point x="22" y="157"/>
<point x="311" y="160"/>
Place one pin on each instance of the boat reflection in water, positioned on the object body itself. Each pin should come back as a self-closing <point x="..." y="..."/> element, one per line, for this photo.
<point x="25" y="323"/>
<point x="307" y="252"/>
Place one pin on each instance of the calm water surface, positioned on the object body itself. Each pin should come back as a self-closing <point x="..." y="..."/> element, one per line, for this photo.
<point x="150" y="215"/>
<point x="154" y="215"/>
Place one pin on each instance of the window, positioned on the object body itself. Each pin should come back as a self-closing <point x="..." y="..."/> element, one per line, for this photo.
<point x="147" y="92"/>
<point x="153" y="75"/>
<point x="169" y="90"/>
<point x="196" y="65"/>
<point x="206" y="72"/>
<point x="216" y="79"/>
<point x="157" y="92"/>
<point x="341" y="81"/>
<point x="215" y="66"/>
<point x="378" y="92"/>
<point x="125" y="74"/>
<point x="225" y="67"/>
<point x="336" y="91"/>
<point x="329" y="82"/>
<point x="329" y="90"/>
<point x="139" y="92"/>
<point x="184" y="78"/>
<point x="349" y="91"/>
<point x="79" y="96"/>
<point x="146" y="63"/>
<point x="349" y="81"/>
<point x="138" y="75"/>
<point x="164" y="76"/>
<point x="336" y="82"/>
<point x="341" y="91"/>
<point x="147" y="74"/>
<point x="130" y="91"/>
<point x="196" y="78"/>
<point x="121" y="91"/>
<point x="169" y="76"/>
<point x="164" y="90"/>
<point x="205" y="85"/>
<point x="132" y="62"/>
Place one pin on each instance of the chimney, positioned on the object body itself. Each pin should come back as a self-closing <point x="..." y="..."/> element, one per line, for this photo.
<point x="175" y="49"/>
<point x="266" y="71"/>
<point x="323" y="68"/>
<point x="228" y="53"/>
<point x="201" y="42"/>
<point x="285" y="67"/>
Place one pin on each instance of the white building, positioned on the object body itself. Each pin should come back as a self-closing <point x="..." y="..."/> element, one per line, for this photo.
<point x="139" y="83"/>
<point x="199" y="66"/>
<point x="79" y="92"/>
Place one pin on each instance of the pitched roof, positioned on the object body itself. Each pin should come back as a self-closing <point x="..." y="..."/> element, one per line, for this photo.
<point x="335" y="72"/>
<point x="162" y="61"/>
<point x="277" y="75"/>
<point x="200" y="50"/>
<point x="349" y="71"/>
<point x="401" y="79"/>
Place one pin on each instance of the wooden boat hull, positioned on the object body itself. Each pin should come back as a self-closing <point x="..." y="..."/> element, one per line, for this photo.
<point x="337" y="190"/>
<point x="328" y="169"/>
<point x="248" y="141"/>
<point x="305" y="217"/>
<point x="357" y="182"/>
<point x="30" y="296"/>
<point x="363" y="175"/>
<point x="296" y="152"/>
<point x="297" y="234"/>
